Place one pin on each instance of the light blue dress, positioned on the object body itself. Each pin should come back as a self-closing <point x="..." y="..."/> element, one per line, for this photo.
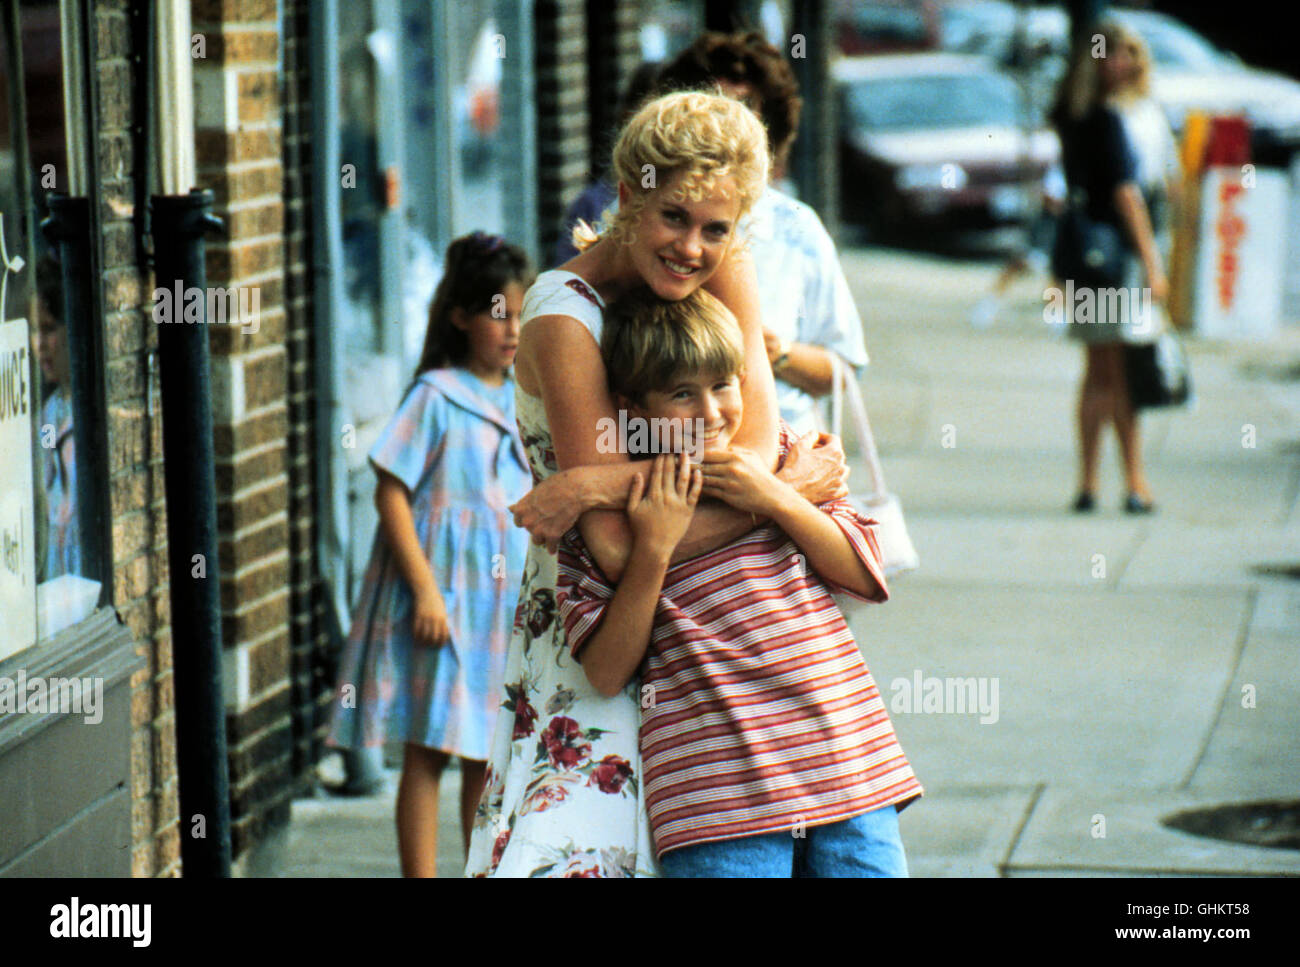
<point x="454" y="444"/>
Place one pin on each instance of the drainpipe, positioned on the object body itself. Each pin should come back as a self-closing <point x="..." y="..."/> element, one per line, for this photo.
<point x="180" y="216"/>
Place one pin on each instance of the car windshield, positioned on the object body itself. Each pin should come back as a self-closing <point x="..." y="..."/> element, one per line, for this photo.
<point x="933" y="101"/>
<point x="889" y="22"/>
<point x="980" y="28"/>
<point x="1175" y="46"/>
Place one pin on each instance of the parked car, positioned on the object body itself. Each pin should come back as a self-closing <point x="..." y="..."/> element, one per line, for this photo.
<point x="1189" y="72"/>
<point x="886" y="26"/>
<point x="937" y="141"/>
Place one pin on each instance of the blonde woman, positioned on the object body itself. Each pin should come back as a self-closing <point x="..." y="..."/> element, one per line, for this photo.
<point x="564" y="793"/>
<point x="1158" y="172"/>
<point x="1101" y="169"/>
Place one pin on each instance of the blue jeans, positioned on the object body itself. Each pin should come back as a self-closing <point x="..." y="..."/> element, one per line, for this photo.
<point x="866" y="845"/>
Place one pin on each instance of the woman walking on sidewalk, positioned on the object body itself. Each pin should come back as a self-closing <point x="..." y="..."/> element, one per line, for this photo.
<point x="1101" y="169"/>
<point x="564" y="794"/>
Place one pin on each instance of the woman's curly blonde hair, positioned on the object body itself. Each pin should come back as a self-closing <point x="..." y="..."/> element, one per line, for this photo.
<point x="705" y="137"/>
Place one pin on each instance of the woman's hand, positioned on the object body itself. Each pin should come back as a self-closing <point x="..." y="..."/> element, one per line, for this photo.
<point x="550" y="509"/>
<point x="1158" y="283"/>
<point x="429" y="620"/>
<point x="659" y="509"/>
<point x="815" y="467"/>
<point x="772" y="343"/>
<point x="740" y="478"/>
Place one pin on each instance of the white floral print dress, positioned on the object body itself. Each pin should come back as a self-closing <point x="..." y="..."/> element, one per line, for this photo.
<point x="564" y="795"/>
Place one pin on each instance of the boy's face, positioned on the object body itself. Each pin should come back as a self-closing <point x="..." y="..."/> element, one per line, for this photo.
<point x="713" y="400"/>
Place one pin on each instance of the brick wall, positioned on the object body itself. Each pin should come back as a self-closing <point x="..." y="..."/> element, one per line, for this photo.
<point x="239" y="150"/>
<point x="134" y="441"/>
<point x="563" y="139"/>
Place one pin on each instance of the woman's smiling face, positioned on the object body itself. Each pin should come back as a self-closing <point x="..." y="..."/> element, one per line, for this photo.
<point x="679" y="243"/>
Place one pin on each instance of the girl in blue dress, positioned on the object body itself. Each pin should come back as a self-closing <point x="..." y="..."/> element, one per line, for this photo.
<point x="425" y="659"/>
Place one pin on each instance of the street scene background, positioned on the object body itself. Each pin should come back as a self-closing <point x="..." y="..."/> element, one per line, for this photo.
<point x="1120" y="687"/>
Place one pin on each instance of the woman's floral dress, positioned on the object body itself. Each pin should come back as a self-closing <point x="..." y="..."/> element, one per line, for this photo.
<point x="563" y="795"/>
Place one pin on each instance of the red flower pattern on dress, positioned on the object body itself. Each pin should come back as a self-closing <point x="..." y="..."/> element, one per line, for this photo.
<point x="546" y="797"/>
<point x="499" y="848"/>
<point x="583" y="866"/>
<point x="525" y="715"/>
<point x="562" y="740"/>
<point x="610" y="773"/>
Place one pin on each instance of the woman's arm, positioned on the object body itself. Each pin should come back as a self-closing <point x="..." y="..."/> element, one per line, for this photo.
<point x="814" y="466"/>
<point x="736" y="284"/>
<point x="1131" y="207"/>
<point x="397" y="522"/>
<point x="800" y="364"/>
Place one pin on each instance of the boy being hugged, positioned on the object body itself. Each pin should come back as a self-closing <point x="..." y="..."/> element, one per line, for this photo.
<point x="767" y="749"/>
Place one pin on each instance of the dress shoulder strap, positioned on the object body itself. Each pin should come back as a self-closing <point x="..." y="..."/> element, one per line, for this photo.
<point x="560" y="293"/>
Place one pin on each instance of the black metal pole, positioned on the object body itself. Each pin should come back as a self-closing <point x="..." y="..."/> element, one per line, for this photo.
<point x="816" y="156"/>
<point x="179" y="222"/>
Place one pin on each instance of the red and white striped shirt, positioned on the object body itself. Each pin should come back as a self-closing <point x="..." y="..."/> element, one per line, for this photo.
<point x="763" y="716"/>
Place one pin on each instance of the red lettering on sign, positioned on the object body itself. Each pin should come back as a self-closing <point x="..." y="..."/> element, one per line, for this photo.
<point x="1231" y="229"/>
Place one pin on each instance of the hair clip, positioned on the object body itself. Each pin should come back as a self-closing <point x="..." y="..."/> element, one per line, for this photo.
<point x="487" y="244"/>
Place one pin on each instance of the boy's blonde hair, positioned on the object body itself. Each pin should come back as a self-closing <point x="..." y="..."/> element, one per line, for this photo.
<point x="706" y="137"/>
<point x="648" y="343"/>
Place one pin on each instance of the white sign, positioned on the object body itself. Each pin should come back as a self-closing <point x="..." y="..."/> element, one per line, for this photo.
<point x="1239" y="267"/>
<point x="17" y="516"/>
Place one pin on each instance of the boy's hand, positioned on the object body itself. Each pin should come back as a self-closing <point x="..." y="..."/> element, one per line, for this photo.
<point x="659" y="509"/>
<point x="740" y="478"/>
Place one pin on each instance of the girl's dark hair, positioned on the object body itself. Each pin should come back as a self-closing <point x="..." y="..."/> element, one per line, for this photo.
<point x="477" y="268"/>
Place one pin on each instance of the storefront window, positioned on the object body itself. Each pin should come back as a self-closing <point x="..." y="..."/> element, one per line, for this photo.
<point x="477" y="49"/>
<point x="43" y="583"/>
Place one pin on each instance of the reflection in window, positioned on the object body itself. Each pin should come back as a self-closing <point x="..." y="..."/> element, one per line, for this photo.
<point x="34" y="164"/>
<point x="361" y="181"/>
<point x="669" y="26"/>
<point x="58" y="451"/>
<point x="477" y="51"/>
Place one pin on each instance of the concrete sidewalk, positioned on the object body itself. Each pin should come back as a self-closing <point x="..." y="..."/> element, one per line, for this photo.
<point x="1124" y="648"/>
<point x="1125" y="651"/>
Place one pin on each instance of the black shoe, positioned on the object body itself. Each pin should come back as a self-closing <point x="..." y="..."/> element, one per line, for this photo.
<point x="1136" y="505"/>
<point x="1084" y="503"/>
